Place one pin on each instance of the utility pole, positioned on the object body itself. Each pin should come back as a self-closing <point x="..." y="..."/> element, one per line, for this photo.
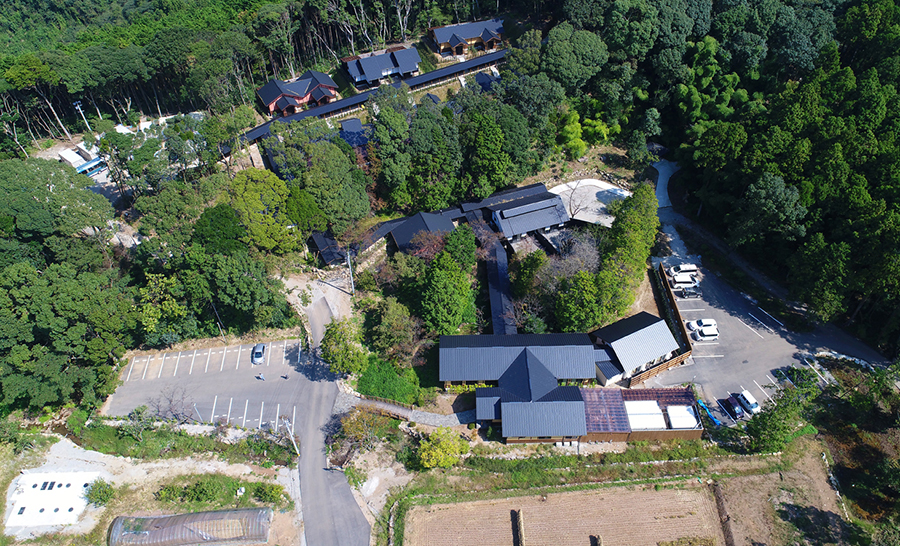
<point x="350" y="265"/>
<point x="77" y="105"/>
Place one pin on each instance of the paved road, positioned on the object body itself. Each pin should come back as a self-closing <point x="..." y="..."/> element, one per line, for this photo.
<point x="751" y="344"/>
<point x="331" y="514"/>
<point x="221" y="384"/>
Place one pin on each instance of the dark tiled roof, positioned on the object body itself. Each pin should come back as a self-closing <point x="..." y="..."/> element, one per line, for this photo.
<point x="518" y="340"/>
<point x="527" y="378"/>
<point x="665" y="397"/>
<point x="285" y="101"/>
<point x="404" y="233"/>
<point x="499" y="291"/>
<point x="536" y="419"/>
<point x="456" y="40"/>
<point x="608" y="369"/>
<point x="637" y="340"/>
<point x="321" y="92"/>
<point x="352" y="125"/>
<point x="375" y="67"/>
<point x="487" y="403"/>
<point x="262" y="131"/>
<point x="485" y="81"/>
<point x="486" y="358"/>
<point x="488" y="34"/>
<point x="407" y="60"/>
<point x="505" y="196"/>
<point x="604" y="410"/>
<point x="299" y="88"/>
<point x="530" y="214"/>
<point x="467" y="31"/>
<point x="328" y="248"/>
<point x="433" y="98"/>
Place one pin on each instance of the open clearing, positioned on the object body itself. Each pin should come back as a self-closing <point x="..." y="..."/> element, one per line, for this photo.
<point x="621" y="516"/>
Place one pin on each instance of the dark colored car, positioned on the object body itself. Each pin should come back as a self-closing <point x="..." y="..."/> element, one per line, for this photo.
<point x="690" y="293"/>
<point x="257" y="355"/>
<point x="733" y="408"/>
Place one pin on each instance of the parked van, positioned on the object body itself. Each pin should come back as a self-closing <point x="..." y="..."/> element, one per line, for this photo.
<point x="750" y="404"/>
<point x="683" y="281"/>
<point x="689" y="269"/>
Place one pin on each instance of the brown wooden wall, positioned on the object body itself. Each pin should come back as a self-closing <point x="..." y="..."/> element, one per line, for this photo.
<point x="633" y="436"/>
<point x="673" y="317"/>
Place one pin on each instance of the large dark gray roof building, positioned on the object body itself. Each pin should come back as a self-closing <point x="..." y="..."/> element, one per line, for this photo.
<point x="637" y="342"/>
<point x="372" y="68"/>
<point x="532" y="213"/>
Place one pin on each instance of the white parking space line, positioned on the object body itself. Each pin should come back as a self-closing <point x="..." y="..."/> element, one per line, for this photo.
<point x="193" y="357"/>
<point x="212" y="418"/>
<point x="228" y="419"/>
<point x="766" y="326"/>
<point x="209" y="354"/>
<point x="163" y="365"/>
<point x="707" y="343"/>
<point x="131" y="368"/>
<point x="751" y="328"/>
<point x="176" y="365"/>
<point x="764" y="392"/>
<point x="284" y="353"/>
<point x="268" y="355"/>
<point x="224" y="354"/>
<point x="261" y="406"/>
<point x="293" y="418"/>
<point x="147" y="365"/>
<point x="770" y="378"/>
<point x="239" y="357"/>
<point x="244" y="422"/>
<point x="686" y="310"/>
<point x="770" y="316"/>
<point x="199" y="417"/>
<point x="708" y="356"/>
<point x="277" y="412"/>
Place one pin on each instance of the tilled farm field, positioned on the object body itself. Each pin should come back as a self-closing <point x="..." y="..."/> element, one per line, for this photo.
<point x="616" y="516"/>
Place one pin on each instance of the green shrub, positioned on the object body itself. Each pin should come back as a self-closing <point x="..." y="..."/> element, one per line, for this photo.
<point x="383" y="380"/>
<point x="100" y="492"/>
<point x="268" y="492"/>
<point x="472" y="426"/>
<point x="169" y="493"/>
<point x="76" y="421"/>
<point x="205" y="490"/>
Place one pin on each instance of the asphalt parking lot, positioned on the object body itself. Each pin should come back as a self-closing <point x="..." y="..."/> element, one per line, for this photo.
<point x="217" y="385"/>
<point x="751" y="349"/>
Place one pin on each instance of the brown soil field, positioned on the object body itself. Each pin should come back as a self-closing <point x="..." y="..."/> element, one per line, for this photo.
<point x="632" y="516"/>
<point x="795" y="506"/>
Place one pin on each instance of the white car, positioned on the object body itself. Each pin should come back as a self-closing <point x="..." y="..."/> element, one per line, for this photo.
<point x="709" y="333"/>
<point x="702" y="323"/>
<point x="684" y="269"/>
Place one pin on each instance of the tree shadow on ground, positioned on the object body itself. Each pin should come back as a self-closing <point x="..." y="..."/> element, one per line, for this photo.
<point x="820" y="527"/>
<point x="311" y="365"/>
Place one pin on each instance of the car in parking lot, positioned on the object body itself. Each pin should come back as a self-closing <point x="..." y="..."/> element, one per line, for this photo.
<point x="257" y="355"/>
<point x="749" y="402"/>
<point x="733" y="407"/>
<point x="681" y="269"/>
<point x="702" y="323"/>
<point x="690" y="292"/>
<point x="709" y="333"/>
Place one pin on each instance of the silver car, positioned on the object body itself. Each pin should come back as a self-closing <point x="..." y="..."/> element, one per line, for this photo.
<point x="258" y="354"/>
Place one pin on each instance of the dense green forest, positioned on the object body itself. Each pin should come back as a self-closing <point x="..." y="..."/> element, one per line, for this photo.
<point x="783" y="115"/>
